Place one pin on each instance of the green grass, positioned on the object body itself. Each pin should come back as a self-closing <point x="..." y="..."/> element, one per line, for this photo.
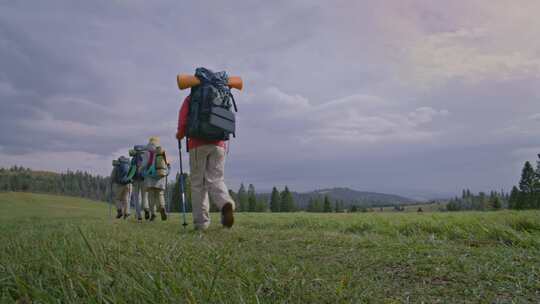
<point x="61" y="249"/>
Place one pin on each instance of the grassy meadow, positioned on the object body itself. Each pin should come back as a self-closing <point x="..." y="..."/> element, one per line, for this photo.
<point x="68" y="250"/>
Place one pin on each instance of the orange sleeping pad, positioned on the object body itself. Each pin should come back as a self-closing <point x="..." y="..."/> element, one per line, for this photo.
<point x="187" y="81"/>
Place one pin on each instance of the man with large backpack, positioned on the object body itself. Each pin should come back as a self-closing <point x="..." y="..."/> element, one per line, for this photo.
<point x="156" y="169"/>
<point x="121" y="185"/>
<point x="139" y="196"/>
<point x="206" y="120"/>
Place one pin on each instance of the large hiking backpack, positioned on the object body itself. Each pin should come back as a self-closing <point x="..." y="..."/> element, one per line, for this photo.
<point x="210" y="116"/>
<point x="121" y="172"/>
<point x="155" y="165"/>
<point x="137" y="162"/>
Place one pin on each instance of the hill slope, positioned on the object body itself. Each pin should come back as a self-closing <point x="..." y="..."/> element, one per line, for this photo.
<point x="349" y="196"/>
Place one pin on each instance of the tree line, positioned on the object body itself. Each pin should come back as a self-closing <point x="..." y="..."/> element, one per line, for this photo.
<point x="72" y="183"/>
<point x="524" y="196"/>
<point x="246" y="200"/>
<point x="481" y="201"/>
<point x="96" y="187"/>
<point x="527" y="194"/>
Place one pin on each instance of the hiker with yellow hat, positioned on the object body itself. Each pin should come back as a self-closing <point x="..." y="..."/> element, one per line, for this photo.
<point x="156" y="169"/>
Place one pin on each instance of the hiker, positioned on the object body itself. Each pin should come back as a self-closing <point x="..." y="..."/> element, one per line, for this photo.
<point x="155" y="173"/>
<point x="139" y="196"/>
<point x="207" y="154"/>
<point x="121" y="186"/>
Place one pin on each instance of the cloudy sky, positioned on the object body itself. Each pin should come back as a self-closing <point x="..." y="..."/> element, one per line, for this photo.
<point x="407" y="97"/>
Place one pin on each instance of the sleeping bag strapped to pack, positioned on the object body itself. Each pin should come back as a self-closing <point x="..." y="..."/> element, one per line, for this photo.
<point x="210" y="116"/>
<point x="121" y="171"/>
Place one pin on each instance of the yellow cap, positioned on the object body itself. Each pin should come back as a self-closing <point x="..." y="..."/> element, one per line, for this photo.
<point x="154" y="140"/>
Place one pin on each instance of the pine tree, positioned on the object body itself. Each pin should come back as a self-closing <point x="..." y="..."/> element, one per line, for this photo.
<point x="310" y="205"/>
<point x="291" y="205"/>
<point x="482" y="201"/>
<point x="176" y="198"/>
<point x="275" y="200"/>
<point x="514" y="199"/>
<point x="496" y="203"/>
<point x="262" y="206"/>
<point x="252" y="199"/>
<point x="287" y="202"/>
<point x="315" y="205"/>
<point x="327" y="205"/>
<point x="318" y="204"/>
<point x="337" y="206"/>
<point x="527" y="185"/>
<point x="242" y="199"/>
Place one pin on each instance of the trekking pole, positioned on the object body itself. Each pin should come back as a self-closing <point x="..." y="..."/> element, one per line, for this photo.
<point x="167" y="193"/>
<point x="181" y="184"/>
<point x="110" y="199"/>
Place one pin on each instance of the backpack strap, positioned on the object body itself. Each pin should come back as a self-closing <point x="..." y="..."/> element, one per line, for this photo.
<point x="236" y="110"/>
<point x="233" y="102"/>
<point x="187" y="120"/>
<point x="163" y="154"/>
<point x="151" y="168"/>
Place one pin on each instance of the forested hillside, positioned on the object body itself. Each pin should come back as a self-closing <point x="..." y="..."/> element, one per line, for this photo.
<point x="78" y="183"/>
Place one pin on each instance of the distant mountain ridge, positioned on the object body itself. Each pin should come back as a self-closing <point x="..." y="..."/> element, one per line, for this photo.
<point x="349" y="197"/>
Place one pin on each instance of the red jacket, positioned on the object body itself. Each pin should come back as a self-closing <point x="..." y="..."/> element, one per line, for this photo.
<point x="182" y="126"/>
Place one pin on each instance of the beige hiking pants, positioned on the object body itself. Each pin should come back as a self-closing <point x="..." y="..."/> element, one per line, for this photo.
<point x="156" y="198"/>
<point x="122" y="193"/>
<point x="207" y="164"/>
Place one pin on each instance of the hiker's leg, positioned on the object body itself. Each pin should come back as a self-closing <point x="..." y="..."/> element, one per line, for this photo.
<point x="136" y="198"/>
<point x="118" y="196"/>
<point x="144" y="196"/>
<point x="127" y="199"/>
<point x="199" y="193"/>
<point x="215" y="180"/>
<point x="161" y="198"/>
<point x="144" y="201"/>
<point x="151" y="200"/>
<point x="126" y="191"/>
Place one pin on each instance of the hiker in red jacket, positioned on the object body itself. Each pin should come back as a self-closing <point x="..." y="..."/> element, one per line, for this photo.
<point x="207" y="164"/>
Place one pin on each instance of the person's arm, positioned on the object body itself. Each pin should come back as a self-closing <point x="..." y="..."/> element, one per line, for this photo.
<point x="182" y="119"/>
<point x="132" y="170"/>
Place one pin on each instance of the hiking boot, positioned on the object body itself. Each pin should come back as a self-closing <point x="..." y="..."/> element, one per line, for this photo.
<point x="118" y="213"/>
<point x="146" y="214"/>
<point x="152" y="217"/>
<point x="126" y="215"/>
<point x="227" y="215"/>
<point x="163" y="214"/>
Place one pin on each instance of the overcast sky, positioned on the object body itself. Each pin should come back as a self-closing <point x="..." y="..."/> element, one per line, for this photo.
<point x="406" y="97"/>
